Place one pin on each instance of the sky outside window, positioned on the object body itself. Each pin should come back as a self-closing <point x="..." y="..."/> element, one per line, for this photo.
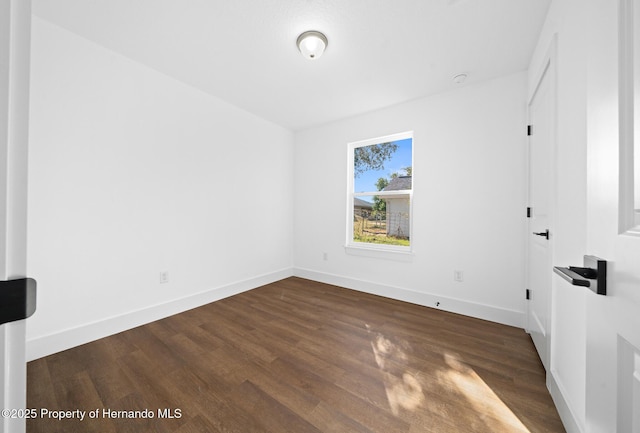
<point x="401" y="158"/>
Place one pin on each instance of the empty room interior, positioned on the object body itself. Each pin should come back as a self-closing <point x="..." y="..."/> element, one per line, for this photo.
<point x="326" y="216"/>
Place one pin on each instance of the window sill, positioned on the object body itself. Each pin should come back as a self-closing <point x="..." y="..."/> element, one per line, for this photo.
<point x="399" y="255"/>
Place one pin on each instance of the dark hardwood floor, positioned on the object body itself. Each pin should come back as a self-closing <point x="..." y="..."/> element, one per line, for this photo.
<point x="298" y="356"/>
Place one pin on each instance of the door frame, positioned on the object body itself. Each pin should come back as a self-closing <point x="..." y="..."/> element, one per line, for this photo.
<point x="15" y="34"/>
<point x="549" y="68"/>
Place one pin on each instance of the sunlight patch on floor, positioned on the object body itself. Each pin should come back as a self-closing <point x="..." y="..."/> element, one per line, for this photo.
<point x="405" y="388"/>
<point x="489" y="407"/>
<point x="403" y="391"/>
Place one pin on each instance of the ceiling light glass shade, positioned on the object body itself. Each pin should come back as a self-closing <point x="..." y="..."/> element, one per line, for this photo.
<point x="312" y="44"/>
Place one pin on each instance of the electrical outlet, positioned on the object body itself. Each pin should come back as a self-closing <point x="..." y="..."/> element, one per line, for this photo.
<point x="164" y="277"/>
<point x="458" y="276"/>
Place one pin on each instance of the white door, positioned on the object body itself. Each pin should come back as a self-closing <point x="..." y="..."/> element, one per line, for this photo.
<point x="541" y="182"/>
<point x="15" y="19"/>
<point x="613" y="321"/>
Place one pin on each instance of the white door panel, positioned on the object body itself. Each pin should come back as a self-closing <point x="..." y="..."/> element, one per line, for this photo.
<point x="540" y="197"/>
<point x="613" y="321"/>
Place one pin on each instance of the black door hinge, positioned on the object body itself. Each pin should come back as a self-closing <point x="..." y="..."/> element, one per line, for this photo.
<point x="528" y="294"/>
<point x="529" y="130"/>
<point x="528" y="212"/>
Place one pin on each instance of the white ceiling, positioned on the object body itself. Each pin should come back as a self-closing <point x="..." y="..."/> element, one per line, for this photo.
<point x="380" y="53"/>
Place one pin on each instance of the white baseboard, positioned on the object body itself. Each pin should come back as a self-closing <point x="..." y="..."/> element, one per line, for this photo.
<point x="63" y="340"/>
<point x="567" y="416"/>
<point x="472" y="309"/>
<point x="66" y="339"/>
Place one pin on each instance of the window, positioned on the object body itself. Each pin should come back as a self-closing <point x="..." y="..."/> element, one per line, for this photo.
<point x="380" y="193"/>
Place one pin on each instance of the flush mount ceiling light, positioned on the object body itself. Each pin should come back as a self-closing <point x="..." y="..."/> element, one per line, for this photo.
<point x="312" y="44"/>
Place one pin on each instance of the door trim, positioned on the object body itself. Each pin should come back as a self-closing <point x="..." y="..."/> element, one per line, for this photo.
<point x="15" y="34"/>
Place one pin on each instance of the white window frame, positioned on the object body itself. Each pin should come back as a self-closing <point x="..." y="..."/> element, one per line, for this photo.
<point x="359" y="247"/>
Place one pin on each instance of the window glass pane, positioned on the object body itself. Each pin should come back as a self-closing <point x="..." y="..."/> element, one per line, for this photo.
<point x="378" y="220"/>
<point x="374" y="166"/>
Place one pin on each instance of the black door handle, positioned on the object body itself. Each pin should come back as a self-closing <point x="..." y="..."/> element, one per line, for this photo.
<point x="544" y="233"/>
<point x="17" y="299"/>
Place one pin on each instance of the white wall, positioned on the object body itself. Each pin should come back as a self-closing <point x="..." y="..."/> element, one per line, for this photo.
<point x="469" y="201"/>
<point x="567" y="20"/>
<point x="133" y="173"/>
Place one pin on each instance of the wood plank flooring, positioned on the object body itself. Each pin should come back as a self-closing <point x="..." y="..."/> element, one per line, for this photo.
<point x="299" y="356"/>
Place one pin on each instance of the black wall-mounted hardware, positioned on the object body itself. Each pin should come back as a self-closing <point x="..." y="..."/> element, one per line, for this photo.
<point x="592" y="275"/>
<point x="544" y="234"/>
<point x="17" y="299"/>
